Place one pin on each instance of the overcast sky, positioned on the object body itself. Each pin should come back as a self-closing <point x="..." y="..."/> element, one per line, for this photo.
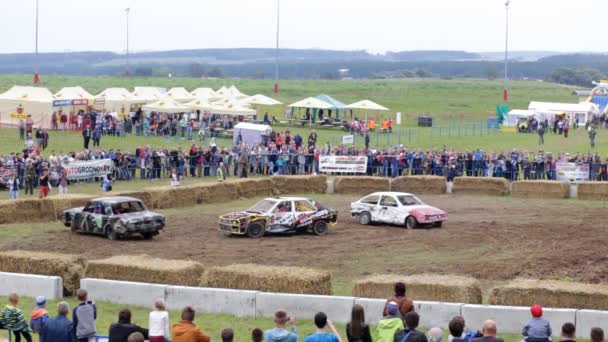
<point x="376" y="25"/>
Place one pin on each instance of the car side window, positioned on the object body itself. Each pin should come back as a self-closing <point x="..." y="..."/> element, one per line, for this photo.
<point x="108" y="209"/>
<point x="371" y="200"/>
<point x="302" y="206"/>
<point x="388" y="201"/>
<point x="283" y="207"/>
<point x="89" y="208"/>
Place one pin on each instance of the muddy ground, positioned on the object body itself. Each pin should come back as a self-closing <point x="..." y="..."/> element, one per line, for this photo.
<point x="490" y="238"/>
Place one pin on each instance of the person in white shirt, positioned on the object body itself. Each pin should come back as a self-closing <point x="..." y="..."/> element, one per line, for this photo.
<point x="174" y="177"/>
<point x="159" y="323"/>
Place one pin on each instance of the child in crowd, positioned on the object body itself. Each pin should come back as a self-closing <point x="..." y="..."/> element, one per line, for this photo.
<point x="39" y="316"/>
<point x="174" y="177"/>
<point x="537" y="329"/>
<point x="12" y="318"/>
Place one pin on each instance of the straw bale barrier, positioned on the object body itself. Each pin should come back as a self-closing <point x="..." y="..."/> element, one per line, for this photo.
<point x="596" y="191"/>
<point x="551" y="293"/>
<point x="540" y="189"/>
<point x="143" y="268"/>
<point x="63" y="202"/>
<point x="360" y="184"/>
<point x="248" y="188"/>
<point x="299" y="184"/>
<point x="71" y="268"/>
<point x="269" y="279"/>
<point x="160" y="197"/>
<point x="419" y="184"/>
<point x="26" y="210"/>
<point x="140" y="195"/>
<point x="481" y="186"/>
<point x="432" y="287"/>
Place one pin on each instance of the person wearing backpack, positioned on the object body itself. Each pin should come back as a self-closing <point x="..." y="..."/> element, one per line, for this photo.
<point x="405" y="304"/>
<point x="39" y="316"/>
<point x="410" y="334"/>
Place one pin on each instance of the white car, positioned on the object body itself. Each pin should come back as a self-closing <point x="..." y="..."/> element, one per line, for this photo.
<point x="398" y="208"/>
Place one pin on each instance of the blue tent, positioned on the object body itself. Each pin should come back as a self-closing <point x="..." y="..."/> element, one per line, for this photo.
<point x="337" y="105"/>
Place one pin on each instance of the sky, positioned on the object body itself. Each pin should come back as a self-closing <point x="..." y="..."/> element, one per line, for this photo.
<point x="376" y="26"/>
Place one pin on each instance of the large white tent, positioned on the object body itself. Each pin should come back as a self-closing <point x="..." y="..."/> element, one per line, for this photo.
<point x="583" y="111"/>
<point x="34" y="101"/>
<point x="117" y="100"/>
<point x="180" y="94"/>
<point x="261" y="100"/>
<point x="252" y="134"/>
<point x="232" y="109"/>
<point x="166" y="105"/>
<point x="149" y="94"/>
<point x="73" y="97"/>
<point x="312" y="103"/>
<point x="205" y="93"/>
<point x="236" y="93"/>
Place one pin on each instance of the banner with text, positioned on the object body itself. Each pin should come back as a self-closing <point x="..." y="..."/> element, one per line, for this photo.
<point x="572" y="172"/>
<point x="343" y="164"/>
<point x="88" y="169"/>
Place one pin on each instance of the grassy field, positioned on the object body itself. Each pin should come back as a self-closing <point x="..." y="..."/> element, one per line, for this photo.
<point x="212" y="324"/>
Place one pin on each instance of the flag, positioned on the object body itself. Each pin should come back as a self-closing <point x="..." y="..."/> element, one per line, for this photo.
<point x="276" y="88"/>
<point x="505" y="95"/>
<point x="36" y="79"/>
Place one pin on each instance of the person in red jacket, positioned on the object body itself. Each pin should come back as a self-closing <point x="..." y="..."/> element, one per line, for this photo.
<point x="405" y="304"/>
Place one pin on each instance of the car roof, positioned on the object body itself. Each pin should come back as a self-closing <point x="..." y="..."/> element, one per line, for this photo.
<point x="393" y="193"/>
<point x="287" y="198"/>
<point x="116" y="199"/>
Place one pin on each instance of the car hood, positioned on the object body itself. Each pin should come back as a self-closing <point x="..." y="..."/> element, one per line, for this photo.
<point x="241" y="215"/>
<point x="424" y="209"/>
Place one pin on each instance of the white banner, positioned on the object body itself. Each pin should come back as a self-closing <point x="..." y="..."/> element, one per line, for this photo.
<point x="343" y="164"/>
<point x="88" y="169"/>
<point x="398" y="118"/>
<point x="571" y="172"/>
<point x="348" y="139"/>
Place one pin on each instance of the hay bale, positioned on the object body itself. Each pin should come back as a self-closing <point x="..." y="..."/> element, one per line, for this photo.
<point x="159" y="197"/>
<point x="143" y="268"/>
<point x="140" y="195"/>
<point x="360" y="184"/>
<point x="594" y="191"/>
<point x="8" y="212"/>
<point x="63" y="202"/>
<point x="481" y="186"/>
<point x="432" y="287"/>
<point x="248" y="188"/>
<point x="540" y="189"/>
<point x="299" y="184"/>
<point x="419" y="184"/>
<point x="71" y="268"/>
<point x="269" y="279"/>
<point x="26" y="210"/>
<point x="551" y="293"/>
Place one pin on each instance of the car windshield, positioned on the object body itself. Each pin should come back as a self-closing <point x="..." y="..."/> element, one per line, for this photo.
<point x="262" y="206"/>
<point x="408" y="200"/>
<point x="128" y="207"/>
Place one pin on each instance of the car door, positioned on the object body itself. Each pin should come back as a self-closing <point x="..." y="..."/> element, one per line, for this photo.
<point x="79" y="221"/>
<point x="282" y="216"/>
<point x="370" y="204"/>
<point x="304" y="210"/>
<point x="389" y="210"/>
<point x="94" y="218"/>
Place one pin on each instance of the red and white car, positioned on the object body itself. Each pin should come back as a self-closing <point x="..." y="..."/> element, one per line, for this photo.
<point x="398" y="208"/>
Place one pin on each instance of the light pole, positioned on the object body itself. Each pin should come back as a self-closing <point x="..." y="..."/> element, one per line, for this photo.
<point x="505" y="91"/>
<point x="127" y="10"/>
<point x="36" y="75"/>
<point x="276" y="59"/>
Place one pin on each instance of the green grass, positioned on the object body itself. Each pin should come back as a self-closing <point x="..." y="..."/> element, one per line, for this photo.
<point x="212" y="324"/>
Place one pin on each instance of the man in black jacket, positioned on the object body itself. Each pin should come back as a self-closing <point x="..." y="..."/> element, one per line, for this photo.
<point x="410" y="334"/>
<point x="489" y="333"/>
<point x="119" y="332"/>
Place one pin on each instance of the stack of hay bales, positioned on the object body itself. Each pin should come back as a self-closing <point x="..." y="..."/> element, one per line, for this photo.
<point x="70" y="268"/>
<point x="551" y="293"/>
<point x="142" y="195"/>
<point x="360" y="184"/>
<point x="160" y="197"/>
<point x="540" y="189"/>
<point x="146" y="269"/>
<point x="481" y="186"/>
<point x="221" y="192"/>
<point x="269" y="279"/>
<point x="299" y="184"/>
<point x="26" y="210"/>
<point x="430" y="287"/>
<point x="63" y="202"/>
<point x="248" y="188"/>
<point x="419" y="184"/>
<point x="594" y="191"/>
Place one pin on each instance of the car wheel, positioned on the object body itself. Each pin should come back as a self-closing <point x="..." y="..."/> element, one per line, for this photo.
<point x="111" y="234"/>
<point x="320" y="228"/>
<point x="410" y="222"/>
<point x="438" y="224"/>
<point x="365" y="218"/>
<point x="147" y="236"/>
<point x="255" y="230"/>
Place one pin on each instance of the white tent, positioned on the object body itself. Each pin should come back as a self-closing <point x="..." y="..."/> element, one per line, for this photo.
<point x="261" y="100"/>
<point x="236" y="93"/>
<point x="366" y="105"/>
<point x="222" y="92"/>
<point x="311" y="102"/>
<point x="205" y="93"/>
<point x="199" y="104"/>
<point x="231" y="109"/>
<point x="512" y="119"/>
<point x="252" y="134"/>
<point x="582" y="111"/>
<point x="166" y="105"/>
<point x="73" y="93"/>
<point x="149" y="94"/>
<point x="117" y="100"/>
<point x="180" y="94"/>
<point x="34" y="101"/>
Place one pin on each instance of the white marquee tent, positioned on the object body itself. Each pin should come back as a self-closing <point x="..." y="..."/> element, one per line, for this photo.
<point x="35" y="101"/>
<point x="180" y="94"/>
<point x="205" y="94"/>
<point x="166" y="105"/>
<point x="149" y="94"/>
<point x="583" y="111"/>
<point x="117" y="100"/>
<point x="252" y="134"/>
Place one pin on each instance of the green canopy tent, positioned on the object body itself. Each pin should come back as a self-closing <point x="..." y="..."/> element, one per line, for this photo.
<point x="337" y="106"/>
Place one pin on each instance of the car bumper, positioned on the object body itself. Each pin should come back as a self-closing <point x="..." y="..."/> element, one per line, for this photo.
<point x="232" y="226"/>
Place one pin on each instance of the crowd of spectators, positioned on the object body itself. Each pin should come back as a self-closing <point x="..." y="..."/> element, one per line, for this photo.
<point x="400" y="323"/>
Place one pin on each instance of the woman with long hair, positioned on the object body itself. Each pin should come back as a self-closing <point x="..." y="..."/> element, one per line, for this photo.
<point x="357" y="330"/>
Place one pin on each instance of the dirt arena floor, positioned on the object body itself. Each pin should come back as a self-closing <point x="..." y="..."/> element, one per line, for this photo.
<point x="490" y="238"/>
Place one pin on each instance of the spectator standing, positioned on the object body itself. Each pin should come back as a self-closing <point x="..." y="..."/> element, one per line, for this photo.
<point x="21" y="129"/>
<point x="405" y="304"/>
<point x="39" y="316"/>
<point x="221" y="172"/>
<point x="63" y="182"/>
<point x="120" y="331"/>
<point x="410" y="334"/>
<point x="58" y="328"/>
<point x="356" y="329"/>
<point x="390" y="324"/>
<point x="592" y="134"/>
<point x="86" y="136"/>
<point x="136" y="337"/>
<point x="488" y="331"/>
<point x="541" y="134"/>
<point x="597" y="335"/>
<point x="257" y="335"/>
<point x="537" y="329"/>
<point x="29" y="125"/>
<point x="30" y="176"/>
<point x="227" y="335"/>
<point x="322" y="323"/>
<point x="106" y="184"/>
<point x="45" y="186"/>
<point x="96" y="135"/>
<point x="158" y="323"/>
<point x="566" y="129"/>
<point x="568" y="333"/>
<point x="13" y="186"/>
<point x="186" y="330"/>
<point x="12" y="318"/>
<point x="84" y="316"/>
<point x="280" y="332"/>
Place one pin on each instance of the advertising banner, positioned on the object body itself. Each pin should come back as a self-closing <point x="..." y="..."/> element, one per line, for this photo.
<point x="88" y="169"/>
<point x="343" y="164"/>
<point x="348" y="139"/>
<point x="572" y="172"/>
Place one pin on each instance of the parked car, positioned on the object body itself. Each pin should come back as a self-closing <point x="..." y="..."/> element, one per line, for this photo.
<point x="398" y="208"/>
<point x="114" y="217"/>
<point x="280" y="215"/>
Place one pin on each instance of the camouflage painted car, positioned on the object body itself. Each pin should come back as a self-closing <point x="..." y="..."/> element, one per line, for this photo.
<point x="114" y="217"/>
<point x="280" y="215"/>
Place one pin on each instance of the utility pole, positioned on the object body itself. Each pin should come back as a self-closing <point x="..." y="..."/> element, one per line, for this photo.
<point x="276" y="60"/>
<point x="127" y="10"/>
<point x="36" y="75"/>
<point x="505" y="92"/>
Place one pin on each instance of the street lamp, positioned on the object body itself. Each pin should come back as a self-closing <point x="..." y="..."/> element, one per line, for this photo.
<point x="127" y="10"/>
<point x="276" y="60"/>
<point x="505" y="91"/>
<point x="36" y="75"/>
